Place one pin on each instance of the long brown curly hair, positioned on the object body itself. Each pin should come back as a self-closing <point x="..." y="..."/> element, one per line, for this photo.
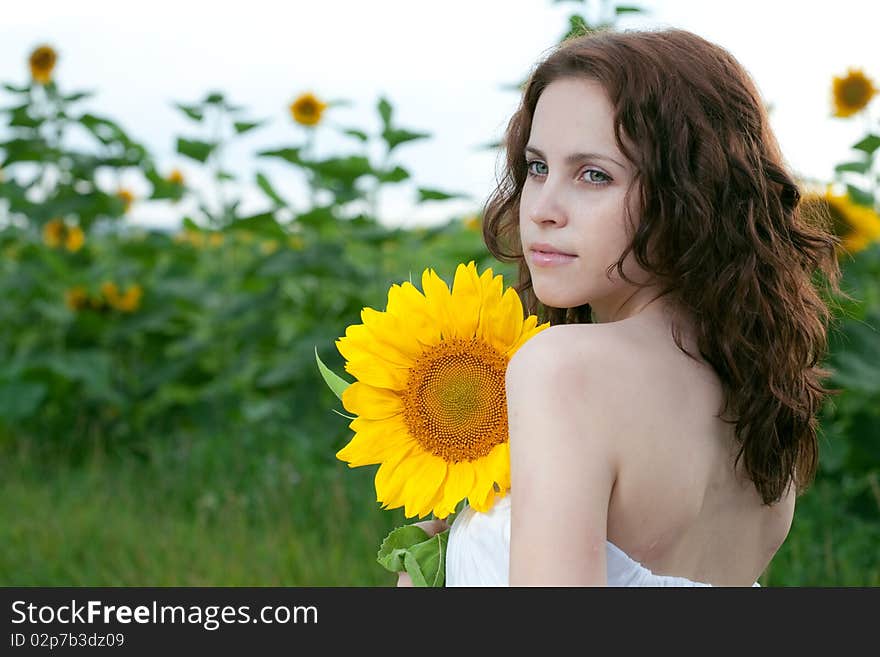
<point x="719" y="210"/>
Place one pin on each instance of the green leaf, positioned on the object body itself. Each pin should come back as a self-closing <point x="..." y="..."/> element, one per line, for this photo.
<point x="289" y="154"/>
<point x="28" y="150"/>
<point x="335" y="382"/>
<point x="854" y="357"/>
<point x="860" y="196"/>
<point x="397" y="174"/>
<point x="396" y="543"/>
<point x="316" y="217"/>
<point x="266" y="186"/>
<point x="347" y="169"/>
<point x="360" y="134"/>
<point x="426" y="194"/>
<point x="869" y="144"/>
<point x="192" y="111"/>
<point x="21" y="118"/>
<point x="394" y="137"/>
<point x="385" y="110"/>
<point x="263" y="224"/>
<point x="578" y="26"/>
<point x="409" y="549"/>
<point x="104" y="129"/>
<point x="92" y="367"/>
<point x="492" y="145"/>
<point x="197" y="150"/>
<point x="245" y="126"/>
<point x="214" y="98"/>
<point x="162" y="187"/>
<point x="856" y="167"/>
<point x="16" y="90"/>
<point x="79" y="95"/>
<point x="190" y="224"/>
<point x="20" y="399"/>
<point x="628" y="10"/>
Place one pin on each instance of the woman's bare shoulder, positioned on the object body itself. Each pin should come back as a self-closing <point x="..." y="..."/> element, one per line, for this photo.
<point x="568" y="343"/>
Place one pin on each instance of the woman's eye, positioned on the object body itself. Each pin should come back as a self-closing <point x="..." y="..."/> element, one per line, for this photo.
<point x="589" y="175"/>
<point x="530" y="163"/>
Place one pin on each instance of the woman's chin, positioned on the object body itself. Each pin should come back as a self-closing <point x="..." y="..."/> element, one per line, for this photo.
<point x="557" y="301"/>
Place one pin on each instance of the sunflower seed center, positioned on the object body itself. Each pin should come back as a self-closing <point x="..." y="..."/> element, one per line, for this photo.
<point x="454" y="402"/>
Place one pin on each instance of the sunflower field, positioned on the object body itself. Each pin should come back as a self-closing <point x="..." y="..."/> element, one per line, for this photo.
<point x="162" y="421"/>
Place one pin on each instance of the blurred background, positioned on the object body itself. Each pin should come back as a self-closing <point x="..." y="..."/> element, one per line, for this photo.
<point x="194" y="199"/>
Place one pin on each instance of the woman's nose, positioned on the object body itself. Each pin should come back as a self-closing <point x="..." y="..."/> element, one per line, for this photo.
<point x="545" y="206"/>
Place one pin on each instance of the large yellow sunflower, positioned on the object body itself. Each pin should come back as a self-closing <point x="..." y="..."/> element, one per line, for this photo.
<point x="857" y="225"/>
<point x="852" y="92"/>
<point x="429" y="396"/>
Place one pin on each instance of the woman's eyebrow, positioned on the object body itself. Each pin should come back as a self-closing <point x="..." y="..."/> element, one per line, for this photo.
<point x="574" y="158"/>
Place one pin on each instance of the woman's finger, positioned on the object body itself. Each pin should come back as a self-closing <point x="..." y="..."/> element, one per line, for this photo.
<point x="433" y="526"/>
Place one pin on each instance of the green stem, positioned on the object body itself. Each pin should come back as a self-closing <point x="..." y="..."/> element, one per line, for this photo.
<point x="307" y="149"/>
<point x="873" y="176"/>
<point x="373" y="196"/>
<point x="218" y="161"/>
<point x="40" y="110"/>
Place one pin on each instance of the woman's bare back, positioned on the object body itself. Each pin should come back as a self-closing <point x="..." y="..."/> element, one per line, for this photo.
<point x="677" y="505"/>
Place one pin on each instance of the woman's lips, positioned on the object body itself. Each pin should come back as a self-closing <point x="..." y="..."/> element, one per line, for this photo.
<point x="549" y="258"/>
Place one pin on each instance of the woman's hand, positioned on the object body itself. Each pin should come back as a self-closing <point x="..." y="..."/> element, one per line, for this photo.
<point x="431" y="527"/>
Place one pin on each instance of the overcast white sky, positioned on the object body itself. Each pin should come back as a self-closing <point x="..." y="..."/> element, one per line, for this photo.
<point x="442" y="66"/>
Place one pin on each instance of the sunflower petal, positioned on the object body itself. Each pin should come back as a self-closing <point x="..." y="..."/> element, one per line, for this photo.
<point x="391" y="490"/>
<point x="483" y="495"/>
<point x="459" y="479"/>
<point x="369" y="402"/>
<point x="529" y="329"/>
<point x="438" y="295"/>
<point x="482" y="490"/>
<point x="353" y="349"/>
<point x="466" y="300"/>
<point x="378" y="429"/>
<point x="366" y="449"/>
<point x="408" y="305"/>
<point x="386" y="345"/>
<point x="422" y="485"/>
<point x="394" y="331"/>
<point x="389" y="478"/>
<point x="491" y="292"/>
<point x="504" y="322"/>
<point x="378" y="374"/>
<point x="499" y="465"/>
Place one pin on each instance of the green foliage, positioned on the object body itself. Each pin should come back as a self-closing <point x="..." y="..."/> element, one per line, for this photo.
<point x="335" y="382"/>
<point x="409" y="549"/>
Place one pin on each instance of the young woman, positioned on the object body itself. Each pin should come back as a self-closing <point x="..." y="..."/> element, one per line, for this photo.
<point x="663" y="425"/>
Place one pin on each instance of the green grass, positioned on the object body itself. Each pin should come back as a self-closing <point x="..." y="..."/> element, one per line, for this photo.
<point x="829" y="544"/>
<point x="201" y="512"/>
<point x="282" y="511"/>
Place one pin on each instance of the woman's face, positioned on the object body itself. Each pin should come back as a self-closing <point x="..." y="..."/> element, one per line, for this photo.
<point x="573" y="202"/>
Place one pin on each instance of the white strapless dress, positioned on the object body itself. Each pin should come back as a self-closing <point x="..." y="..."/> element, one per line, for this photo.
<point x="478" y="554"/>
